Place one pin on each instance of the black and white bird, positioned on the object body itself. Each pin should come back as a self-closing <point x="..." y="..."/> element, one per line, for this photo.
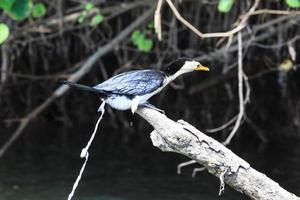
<point x="131" y="89"/>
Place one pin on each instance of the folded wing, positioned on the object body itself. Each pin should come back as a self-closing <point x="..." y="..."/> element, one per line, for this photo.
<point x="133" y="83"/>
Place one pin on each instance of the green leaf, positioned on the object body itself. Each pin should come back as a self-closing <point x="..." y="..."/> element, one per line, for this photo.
<point x="82" y="16"/>
<point x="89" y="6"/>
<point x="150" y="24"/>
<point x="4" y="32"/>
<point x="225" y="5"/>
<point x="136" y="36"/>
<point x="141" y="42"/>
<point x="97" y="19"/>
<point x="39" y="10"/>
<point x="20" y="9"/>
<point x="6" y="4"/>
<point x="293" y="3"/>
<point x="286" y="65"/>
<point x="145" y="45"/>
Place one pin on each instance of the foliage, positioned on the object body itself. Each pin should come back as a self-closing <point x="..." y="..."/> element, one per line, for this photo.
<point x="19" y="9"/>
<point x="82" y="16"/>
<point x="150" y="24"/>
<point x="89" y="6"/>
<point x="97" y="17"/>
<point x="39" y="10"/>
<point x="293" y="3"/>
<point x="286" y="65"/>
<point x="72" y="43"/>
<point x="141" y="42"/>
<point x="6" y="4"/>
<point x="136" y="36"/>
<point x="225" y="5"/>
<point x="4" y="32"/>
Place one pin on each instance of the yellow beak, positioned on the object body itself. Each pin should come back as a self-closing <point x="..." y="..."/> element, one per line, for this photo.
<point x="201" y="68"/>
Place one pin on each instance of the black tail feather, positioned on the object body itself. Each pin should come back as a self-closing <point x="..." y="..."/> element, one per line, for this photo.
<point x="83" y="87"/>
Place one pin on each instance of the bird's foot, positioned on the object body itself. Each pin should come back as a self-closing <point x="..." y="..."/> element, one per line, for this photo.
<point x="149" y="105"/>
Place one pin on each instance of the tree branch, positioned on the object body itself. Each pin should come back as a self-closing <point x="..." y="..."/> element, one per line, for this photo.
<point x="181" y="137"/>
<point x="219" y="53"/>
<point x="240" y="25"/>
<point x="240" y="89"/>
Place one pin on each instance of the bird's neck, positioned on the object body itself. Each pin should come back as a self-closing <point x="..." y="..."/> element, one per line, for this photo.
<point x="172" y="77"/>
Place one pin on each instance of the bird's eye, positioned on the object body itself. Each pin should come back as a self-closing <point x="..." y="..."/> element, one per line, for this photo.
<point x="198" y="65"/>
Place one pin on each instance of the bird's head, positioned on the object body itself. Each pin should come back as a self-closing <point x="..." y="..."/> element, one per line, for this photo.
<point x="182" y="66"/>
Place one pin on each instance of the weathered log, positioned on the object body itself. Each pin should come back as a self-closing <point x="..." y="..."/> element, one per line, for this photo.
<point x="181" y="137"/>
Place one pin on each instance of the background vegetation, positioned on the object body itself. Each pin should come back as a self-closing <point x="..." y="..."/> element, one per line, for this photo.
<point x="256" y="92"/>
<point x="47" y="41"/>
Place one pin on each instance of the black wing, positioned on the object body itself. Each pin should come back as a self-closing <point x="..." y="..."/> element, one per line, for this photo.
<point x="134" y="83"/>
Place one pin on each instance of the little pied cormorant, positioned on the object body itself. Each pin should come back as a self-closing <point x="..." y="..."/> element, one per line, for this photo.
<point x="131" y="89"/>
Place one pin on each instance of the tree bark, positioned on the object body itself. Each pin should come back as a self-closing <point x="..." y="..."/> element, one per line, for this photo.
<point x="181" y="137"/>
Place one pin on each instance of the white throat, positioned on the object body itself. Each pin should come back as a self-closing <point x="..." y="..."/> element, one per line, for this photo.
<point x="188" y="66"/>
<point x="172" y="77"/>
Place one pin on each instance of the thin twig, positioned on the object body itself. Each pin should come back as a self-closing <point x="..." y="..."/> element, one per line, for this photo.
<point x="229" y="33"/>
<point x="274" y="12"/>
<point x="275" y="46"/>
<point x="183" y="164"/>
<point x="218" y="53"/>
<point x="256" y="129"/>
<point x="213" y="130"/>
<point x="196" y="170"/>
<point x="4" y="64"/>
<point x="240" y="89"/>
<point x="36" y="77"/>
<point x="246" y="100"/>
<point x="157" y="19"/>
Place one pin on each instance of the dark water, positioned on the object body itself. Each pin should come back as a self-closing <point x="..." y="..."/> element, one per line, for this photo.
<point x="46" y="169"/>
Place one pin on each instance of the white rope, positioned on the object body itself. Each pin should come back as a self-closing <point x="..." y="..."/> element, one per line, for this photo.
<point x="84" y="151"/>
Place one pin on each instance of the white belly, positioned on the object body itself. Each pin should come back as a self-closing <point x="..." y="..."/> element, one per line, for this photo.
<point x="119" y="102"/>
<point x="124" y="103"/>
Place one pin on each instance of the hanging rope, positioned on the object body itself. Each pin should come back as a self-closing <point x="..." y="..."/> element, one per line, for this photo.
<point x="84" y="151"/>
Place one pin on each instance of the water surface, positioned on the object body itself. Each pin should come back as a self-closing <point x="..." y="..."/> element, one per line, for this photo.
<point x="46" y="168"/>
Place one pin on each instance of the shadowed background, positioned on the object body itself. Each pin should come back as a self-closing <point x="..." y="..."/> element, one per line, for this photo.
<point x="44" y="161"/>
